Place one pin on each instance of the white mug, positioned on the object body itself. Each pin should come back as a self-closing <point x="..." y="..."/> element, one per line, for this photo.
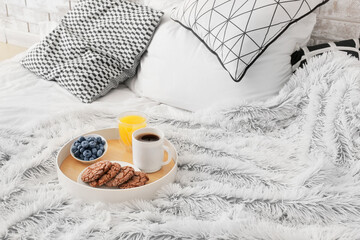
<point x="148" y="149"/>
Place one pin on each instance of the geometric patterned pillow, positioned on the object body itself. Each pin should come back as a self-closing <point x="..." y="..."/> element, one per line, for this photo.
<point x="239" y="31"/>
<point x="302" y="56"/>
<point x="97" y="45"/>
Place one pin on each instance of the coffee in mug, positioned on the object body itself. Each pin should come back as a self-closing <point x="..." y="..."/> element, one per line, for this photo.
<point x="147" y="137"/>
<point x="148" y="149"/>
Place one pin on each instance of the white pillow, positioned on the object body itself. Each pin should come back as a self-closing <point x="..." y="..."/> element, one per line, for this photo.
<point x="239" y="31"/>
<point x="180" y="71"/>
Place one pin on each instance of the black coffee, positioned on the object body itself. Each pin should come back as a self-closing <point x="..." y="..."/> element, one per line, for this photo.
<point x="147" y="137"/>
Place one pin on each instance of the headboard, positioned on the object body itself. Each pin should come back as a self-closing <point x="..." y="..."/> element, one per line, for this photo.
<point x="337" y="20"/>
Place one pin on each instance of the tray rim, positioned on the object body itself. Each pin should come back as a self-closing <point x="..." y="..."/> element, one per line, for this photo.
<point x="58" y="164"/>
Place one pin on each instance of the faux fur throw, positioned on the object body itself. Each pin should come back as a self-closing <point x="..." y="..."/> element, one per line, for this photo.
<point x="287" y="168"/>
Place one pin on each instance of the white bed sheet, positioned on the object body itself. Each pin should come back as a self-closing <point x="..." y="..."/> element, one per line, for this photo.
<point x="26" y="99"/>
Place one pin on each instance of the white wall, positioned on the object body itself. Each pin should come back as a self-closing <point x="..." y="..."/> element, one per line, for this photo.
<point x="20" y="20"/>
<point x="337" y="20"/>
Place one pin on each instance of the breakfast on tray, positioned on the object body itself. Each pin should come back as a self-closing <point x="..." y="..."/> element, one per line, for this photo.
<point x="113" y="175"/>
<point x="145" y="144"/>
<point x="132" y="155"/>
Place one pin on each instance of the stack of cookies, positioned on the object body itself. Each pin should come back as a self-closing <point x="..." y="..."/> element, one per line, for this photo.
<point x="113" y="175"/>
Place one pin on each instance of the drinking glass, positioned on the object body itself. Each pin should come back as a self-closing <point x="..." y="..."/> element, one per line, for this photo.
<point x="128" y="122"/>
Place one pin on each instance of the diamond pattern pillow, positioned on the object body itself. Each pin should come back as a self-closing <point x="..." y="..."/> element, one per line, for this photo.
<point x="96" y="46"/>
<point x="239" y="31"/>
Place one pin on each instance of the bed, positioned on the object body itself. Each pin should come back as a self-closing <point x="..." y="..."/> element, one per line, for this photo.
<point x="281" y="167"/>
<point x="42" y="99"/>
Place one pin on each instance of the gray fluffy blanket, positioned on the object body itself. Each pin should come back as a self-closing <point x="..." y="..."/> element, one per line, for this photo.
<point x="286" y="168"/>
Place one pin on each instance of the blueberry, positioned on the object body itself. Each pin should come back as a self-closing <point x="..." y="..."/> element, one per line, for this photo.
<point x="78" y="147"/>
<point x="92" y="144"/>
<point x="97" y="147"/>
<point x="81" y="139"/>
<point x="103" y="142"/>
<point x="90" y="159"/>
<point x="76" y="143"/>
<point x="99" y="153"/>
<point x="74" y="149"/>
<point x="85" y="144"/>
<point x="87" y="153"/>
<point x="94" y="156"/>
<point x="94" y="150"/>
<point x="102" y="147"/>
<point x="86" y="159"/>
<point x="98" y="139"/>
<point x="82" y="150"/>
<point x="81" y="156"/>
<point x="77" y="153"/>
<point x="91" y="139"/>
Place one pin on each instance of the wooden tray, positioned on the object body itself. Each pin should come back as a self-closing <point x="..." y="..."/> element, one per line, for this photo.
<point x="68" y="170"/>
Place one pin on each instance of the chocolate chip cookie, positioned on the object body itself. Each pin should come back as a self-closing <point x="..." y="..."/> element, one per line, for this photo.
<point x="114" y="170"/>
<point x="95" y="171"/>
<point x="137" y="180"/>
<point x="124" y="175"/>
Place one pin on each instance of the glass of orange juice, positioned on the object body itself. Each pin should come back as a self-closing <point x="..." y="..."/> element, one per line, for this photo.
<point x="128" y="122"/>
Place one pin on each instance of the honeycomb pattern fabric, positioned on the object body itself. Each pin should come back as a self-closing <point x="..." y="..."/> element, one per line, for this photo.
<point x="96" y="46"/>
<point x="239" y="31"/>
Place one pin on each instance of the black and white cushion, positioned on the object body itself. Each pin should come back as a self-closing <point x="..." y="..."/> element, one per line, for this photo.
<point x="302" y="56"/>
<point x="96" y="46"/>
<point x="239" y="31"/>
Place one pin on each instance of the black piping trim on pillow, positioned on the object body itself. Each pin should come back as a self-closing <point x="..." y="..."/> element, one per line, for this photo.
<point x="261" y="52"/>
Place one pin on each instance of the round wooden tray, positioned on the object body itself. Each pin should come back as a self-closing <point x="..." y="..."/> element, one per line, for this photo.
<point x="68" y="170"/>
